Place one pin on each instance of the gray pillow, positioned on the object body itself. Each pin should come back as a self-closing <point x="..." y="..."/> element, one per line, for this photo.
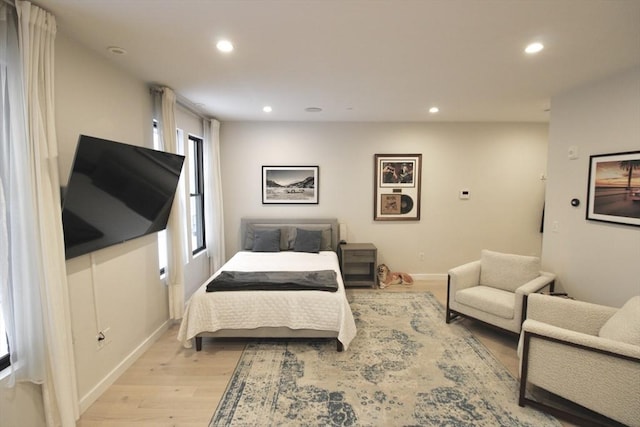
<point x="325" y="241"/>
<point x="266" y="240"/>
<point x="252" y="228"/>
<point x="307" y="240"/>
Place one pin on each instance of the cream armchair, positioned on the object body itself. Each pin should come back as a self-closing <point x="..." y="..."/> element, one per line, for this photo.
<point x="586" y="353"/>
<point x="492" y="289"/>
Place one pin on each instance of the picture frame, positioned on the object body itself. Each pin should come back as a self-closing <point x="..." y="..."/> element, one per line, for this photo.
<point x="397" y="181"/>
<point x="290" y="184"/>
<point x="613" y="193"/>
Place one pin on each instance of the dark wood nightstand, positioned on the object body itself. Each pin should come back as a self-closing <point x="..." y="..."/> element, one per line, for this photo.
<point x="358" y="264"/>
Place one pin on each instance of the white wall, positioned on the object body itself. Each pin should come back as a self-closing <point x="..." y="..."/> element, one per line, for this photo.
<point x="595" y="261"/>
<point x="500" y="163"/>
<point x="95" y="98"/>
<point x="117" y="288"/>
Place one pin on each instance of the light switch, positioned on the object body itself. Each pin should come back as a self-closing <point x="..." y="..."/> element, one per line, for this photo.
<point x="464" y="194"/>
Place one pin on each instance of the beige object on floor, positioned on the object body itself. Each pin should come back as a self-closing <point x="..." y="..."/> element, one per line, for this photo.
<point x="386" y="277"/>
<point x="492" y="289"/>
<point x="583" y="352"/>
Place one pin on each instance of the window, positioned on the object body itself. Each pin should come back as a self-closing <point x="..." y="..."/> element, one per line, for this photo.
<point x="196" y="193"/>
<point x="162" y="235"/>
<point x="4" y="345"/>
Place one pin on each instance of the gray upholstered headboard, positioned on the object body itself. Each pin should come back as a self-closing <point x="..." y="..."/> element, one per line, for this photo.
<point x="330" y="225"/>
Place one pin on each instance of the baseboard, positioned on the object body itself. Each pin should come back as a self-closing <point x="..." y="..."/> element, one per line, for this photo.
<point x="87" y="400"/>
<point x="429" y="276"/>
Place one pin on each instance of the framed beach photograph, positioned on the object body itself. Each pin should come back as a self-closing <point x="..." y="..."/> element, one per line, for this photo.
<point x="614" y="188"/>
<point x="290" y="184"/>
<point x="397" y="187"/>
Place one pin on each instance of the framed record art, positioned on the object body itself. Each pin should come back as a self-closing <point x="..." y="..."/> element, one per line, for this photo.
<point x="397" y="187"/>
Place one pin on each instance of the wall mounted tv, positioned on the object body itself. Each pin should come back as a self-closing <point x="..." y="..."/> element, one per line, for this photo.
<point x="116" y="192"/>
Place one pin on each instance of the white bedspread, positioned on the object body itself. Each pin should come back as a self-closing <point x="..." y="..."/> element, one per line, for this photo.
<point x="318" y="310"/>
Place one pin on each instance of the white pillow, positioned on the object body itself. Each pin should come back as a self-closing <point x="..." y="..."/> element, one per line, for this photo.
<point x="624" y="325"/>
<point x="507" y="271"/>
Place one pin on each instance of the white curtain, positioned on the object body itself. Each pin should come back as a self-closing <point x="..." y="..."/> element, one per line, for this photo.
<point x="20" y="284"/>
<point x="39" y="321"/>
<point x="165" y="115"/>
<point x="214" y="218"/>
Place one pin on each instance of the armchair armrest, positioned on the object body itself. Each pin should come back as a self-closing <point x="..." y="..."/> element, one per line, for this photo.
<point x="464" y="276"/>
<point x="570" y="337"/>
<point x="461" y="277"/>
<point x="533" y="286"/>
<point x="537" y="284"/>
<point x="585" y="317"/>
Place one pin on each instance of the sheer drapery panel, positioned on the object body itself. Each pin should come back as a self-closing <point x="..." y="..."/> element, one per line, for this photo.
<point x="36" y="289"/>
<point x="20" y="285"/>
<point x="213" y="208"/>
<point x="164" y="102"/>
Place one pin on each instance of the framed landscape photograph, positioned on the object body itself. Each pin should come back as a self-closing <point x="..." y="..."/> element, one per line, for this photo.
<point x="397" y="187"/>
<point x="290" y="184"/>
<point x="614" y="188"/>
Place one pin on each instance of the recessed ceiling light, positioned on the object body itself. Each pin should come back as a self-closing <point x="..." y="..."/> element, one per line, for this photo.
<point x="224" y="46"/>
<point x="313" y="109"/>
<point x="117" y="50"/>
<point x="267" y="109"/>
<point x="534" y="48"/>
<point x="434" y="110"/>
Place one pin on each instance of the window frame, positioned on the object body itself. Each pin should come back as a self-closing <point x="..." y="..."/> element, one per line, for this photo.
<point x="196" y="150"/>
<point x="5" y="359"/>
<point x="161" y="235"/>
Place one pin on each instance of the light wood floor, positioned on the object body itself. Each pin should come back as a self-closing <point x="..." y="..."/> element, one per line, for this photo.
<point x="172" y="386"/>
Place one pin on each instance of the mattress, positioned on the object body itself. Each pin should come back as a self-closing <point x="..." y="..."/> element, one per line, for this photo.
<point x="296" y="310"/>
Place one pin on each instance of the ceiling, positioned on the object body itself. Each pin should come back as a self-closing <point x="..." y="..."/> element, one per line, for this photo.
<point x="361" y="60"/>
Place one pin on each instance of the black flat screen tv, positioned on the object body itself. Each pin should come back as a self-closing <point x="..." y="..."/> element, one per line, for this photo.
<point x="116" y="192"/>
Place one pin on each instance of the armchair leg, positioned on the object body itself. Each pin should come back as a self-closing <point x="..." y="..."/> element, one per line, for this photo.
<point x="450" y="314"/>
<point x="552" y="287"/>
<point x="525" y="366"/>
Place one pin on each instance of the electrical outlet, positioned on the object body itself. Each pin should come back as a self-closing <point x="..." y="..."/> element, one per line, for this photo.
<point x="103" y="337"/>
<point x="421" y="256"/>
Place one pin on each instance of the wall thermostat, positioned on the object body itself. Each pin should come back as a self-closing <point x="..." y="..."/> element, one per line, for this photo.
<point x="573" y="152"/>
<point x="464" y="194"/>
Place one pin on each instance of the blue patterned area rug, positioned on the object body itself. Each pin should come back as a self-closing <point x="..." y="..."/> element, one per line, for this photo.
<point x="406" y="367"/>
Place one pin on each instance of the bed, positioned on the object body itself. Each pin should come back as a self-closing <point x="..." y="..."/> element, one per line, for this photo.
<point x="300" y="246"/>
